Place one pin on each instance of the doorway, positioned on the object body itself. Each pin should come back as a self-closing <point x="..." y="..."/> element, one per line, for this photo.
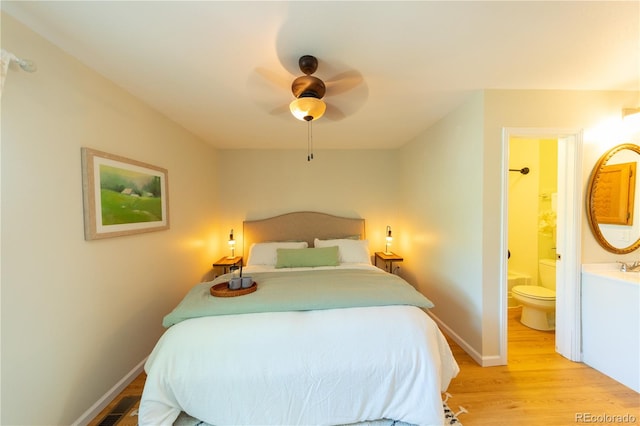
<point x="568" y="206"/>
<point x="532" y="210"/>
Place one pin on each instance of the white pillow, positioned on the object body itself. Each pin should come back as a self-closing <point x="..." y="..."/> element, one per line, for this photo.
<point x="350" y="251"/>
<point x="266" y="253"/>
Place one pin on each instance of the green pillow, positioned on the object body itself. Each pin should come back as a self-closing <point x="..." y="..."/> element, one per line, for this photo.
<point x="307" y="257"/>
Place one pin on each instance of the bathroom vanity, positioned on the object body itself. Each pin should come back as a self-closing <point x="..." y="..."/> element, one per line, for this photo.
<point x="611" y="322"/>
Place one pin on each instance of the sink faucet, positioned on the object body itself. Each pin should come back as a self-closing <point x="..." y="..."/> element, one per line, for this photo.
<point x="630" y="267"/>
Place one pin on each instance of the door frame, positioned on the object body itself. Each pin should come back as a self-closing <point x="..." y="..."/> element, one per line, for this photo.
<point x="568" y="314"/>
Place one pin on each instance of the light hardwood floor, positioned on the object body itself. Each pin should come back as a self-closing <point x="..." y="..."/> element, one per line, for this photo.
<point x="538" y="387"/>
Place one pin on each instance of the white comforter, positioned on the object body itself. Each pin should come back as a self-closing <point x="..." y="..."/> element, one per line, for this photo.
<point x="334" y="366"/>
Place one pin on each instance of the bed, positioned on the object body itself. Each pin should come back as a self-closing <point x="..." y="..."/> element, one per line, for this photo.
<point x="326" y="338"/>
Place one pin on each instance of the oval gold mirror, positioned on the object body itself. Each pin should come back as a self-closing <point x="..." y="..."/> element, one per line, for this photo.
<point x="613" y="200"/>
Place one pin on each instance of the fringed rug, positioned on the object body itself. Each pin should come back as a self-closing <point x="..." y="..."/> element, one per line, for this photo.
<point x="126" y="414"/>
<point x="451" y="418"/>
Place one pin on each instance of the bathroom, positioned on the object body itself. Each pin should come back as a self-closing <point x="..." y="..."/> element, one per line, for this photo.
<point x="532" y="208"/>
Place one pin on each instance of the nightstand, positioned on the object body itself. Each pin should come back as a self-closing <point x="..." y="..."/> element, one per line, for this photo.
<point x="227" y="263"/>
<point x="388" y="260"/>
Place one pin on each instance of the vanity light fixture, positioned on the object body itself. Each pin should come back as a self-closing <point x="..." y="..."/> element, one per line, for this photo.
<point x="389" y="238"/>
<point x="232" y="245"/>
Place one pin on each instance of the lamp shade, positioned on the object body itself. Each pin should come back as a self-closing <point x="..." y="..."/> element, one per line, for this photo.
<point x="232" y="245"/>
<point x="388" y="238"/>
<point x="305" y="107"/>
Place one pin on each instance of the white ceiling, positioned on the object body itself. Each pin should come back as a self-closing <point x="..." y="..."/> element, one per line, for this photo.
<point x="223" y="70"/>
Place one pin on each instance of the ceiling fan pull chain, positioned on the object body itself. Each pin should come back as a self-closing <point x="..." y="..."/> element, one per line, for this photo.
<point x="311" y="138"/>
<point x="309" y="141"/>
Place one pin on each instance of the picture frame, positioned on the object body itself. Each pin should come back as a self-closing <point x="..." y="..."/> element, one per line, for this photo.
<point x="122" y="196"/>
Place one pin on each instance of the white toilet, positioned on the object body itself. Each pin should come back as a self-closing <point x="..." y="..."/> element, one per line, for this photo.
<point x="539" y="301"/>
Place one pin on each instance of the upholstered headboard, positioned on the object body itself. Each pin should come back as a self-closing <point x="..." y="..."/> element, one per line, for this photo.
<point x="300" y="226"/>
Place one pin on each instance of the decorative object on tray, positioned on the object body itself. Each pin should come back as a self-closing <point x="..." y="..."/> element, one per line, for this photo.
<point x="236" y="286"/>
<point x="223" y="290"/>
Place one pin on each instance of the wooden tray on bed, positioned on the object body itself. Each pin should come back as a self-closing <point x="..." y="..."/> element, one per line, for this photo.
<point x="223" y="290"/>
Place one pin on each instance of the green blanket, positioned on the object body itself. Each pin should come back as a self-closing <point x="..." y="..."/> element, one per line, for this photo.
<point x="301" y="291"/>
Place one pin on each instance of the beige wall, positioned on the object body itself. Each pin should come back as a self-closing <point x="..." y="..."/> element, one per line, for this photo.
<point x="78" y="315"/>
<point x="442" y="197"/>
<point x="354" y="183"/>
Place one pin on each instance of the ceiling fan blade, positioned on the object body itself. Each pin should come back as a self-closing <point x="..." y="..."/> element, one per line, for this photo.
<point x="279" y="80"/>
<point x="333" y="113"/>
<point x="269" y="90"/>
<point x="343" y="82"/>
<point x="280" y="110"/>
<point x="347" y="105"/>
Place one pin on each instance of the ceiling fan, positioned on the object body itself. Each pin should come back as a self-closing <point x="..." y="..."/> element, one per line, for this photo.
<point x="309" y="92"/>
<point x="344" y="92"/>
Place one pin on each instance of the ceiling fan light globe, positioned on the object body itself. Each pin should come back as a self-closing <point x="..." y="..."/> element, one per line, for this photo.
<point x="302" y="108"/>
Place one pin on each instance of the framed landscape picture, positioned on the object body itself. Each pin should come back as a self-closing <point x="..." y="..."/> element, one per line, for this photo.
<point x="122" y="196"/>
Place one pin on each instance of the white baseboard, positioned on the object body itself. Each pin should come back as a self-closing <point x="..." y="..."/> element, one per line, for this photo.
<point x="484" y="361"/>
<point x="96" y="408"/>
